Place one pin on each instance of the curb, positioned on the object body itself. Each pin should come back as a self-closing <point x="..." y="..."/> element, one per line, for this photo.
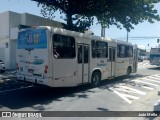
<point x="9" y="77"/>
<point x="157" y="106"/>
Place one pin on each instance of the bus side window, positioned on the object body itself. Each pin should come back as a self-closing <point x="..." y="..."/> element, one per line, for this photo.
<point x="79" y="53"/>
<point x="86" y="55"/>
<point x="93" y="48"/>
<point x="118" y="51"/>
<point x="114" y="52"/>
<point x="110" y="55"/>
<point x="101" y="49"/>
<point x="65" y="46"/>
<point x="130" y="51"/>
<point x="122" y="51"/>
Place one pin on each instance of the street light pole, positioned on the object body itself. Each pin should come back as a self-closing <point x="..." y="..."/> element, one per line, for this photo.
<point x="102" y="31"/>
<point x="127" y="35"/>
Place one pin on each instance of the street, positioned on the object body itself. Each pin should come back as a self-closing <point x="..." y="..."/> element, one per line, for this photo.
<point x="138" y="92"/>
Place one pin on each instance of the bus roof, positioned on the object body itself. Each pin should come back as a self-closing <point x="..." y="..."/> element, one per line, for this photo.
<point x="77" y="34"/>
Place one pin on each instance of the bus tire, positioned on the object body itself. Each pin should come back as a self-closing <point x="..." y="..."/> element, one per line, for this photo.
<point x="2" y="71"/>
<point x="129" y="70"/>
<point x="95" y="80"/>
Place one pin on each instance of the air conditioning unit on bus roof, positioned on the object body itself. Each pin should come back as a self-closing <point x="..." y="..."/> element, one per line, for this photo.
<point x="89" y="32"/>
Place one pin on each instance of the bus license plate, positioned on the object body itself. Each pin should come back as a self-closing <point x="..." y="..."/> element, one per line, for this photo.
<point x="30" y="70"/>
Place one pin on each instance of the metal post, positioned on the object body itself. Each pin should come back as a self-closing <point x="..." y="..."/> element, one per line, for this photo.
<point x="127" y="36"/>
<point x="102" y="31"/>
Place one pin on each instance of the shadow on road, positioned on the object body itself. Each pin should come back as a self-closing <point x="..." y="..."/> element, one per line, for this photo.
<point x="102" y="109"/>
<point x="13" y="97"/>
<point x="154" y="68"/>
<point x="37" y="97"/>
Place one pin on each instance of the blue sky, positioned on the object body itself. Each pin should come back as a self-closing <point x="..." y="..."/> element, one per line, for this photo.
<point x="141" y="30"/>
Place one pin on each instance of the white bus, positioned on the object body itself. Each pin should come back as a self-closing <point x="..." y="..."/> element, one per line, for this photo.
<point x="61" y="58"/>
<point x="155" y="56"/>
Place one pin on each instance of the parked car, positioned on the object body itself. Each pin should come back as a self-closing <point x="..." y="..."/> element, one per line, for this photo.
<point x="140" y="59"/>
<point x="2" y="67"/>
<point x="145" y="57"/>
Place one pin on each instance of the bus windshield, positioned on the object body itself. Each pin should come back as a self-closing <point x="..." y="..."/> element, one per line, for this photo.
<point x="32" y="39"/>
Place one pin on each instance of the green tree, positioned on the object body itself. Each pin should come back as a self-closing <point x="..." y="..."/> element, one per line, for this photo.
<point x="80" y="14"/>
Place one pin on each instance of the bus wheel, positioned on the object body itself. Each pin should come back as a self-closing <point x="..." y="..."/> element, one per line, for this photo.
<point x="128" y="71"/>
<point x="95" y="79"/>
<point x="2" y="71"/>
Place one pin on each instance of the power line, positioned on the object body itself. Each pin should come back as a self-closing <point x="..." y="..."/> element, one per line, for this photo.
<point x="141" y="38"/>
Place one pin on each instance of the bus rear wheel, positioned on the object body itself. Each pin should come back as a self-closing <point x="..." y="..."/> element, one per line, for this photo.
<point x="129" y="71"/>
<point x="2" y="71"/>
<point x="95" y="79"/>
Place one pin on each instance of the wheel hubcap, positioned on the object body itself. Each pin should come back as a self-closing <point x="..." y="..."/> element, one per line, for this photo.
<point x="95" y="79"/>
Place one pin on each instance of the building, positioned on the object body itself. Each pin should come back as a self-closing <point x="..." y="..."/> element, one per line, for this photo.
<point x="9" y="22"/>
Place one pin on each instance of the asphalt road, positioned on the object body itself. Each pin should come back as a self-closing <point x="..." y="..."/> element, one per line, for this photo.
<point x="138" y="92"/>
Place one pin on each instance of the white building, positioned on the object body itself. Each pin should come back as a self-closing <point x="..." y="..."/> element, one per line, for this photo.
<point x="9" y="22"/>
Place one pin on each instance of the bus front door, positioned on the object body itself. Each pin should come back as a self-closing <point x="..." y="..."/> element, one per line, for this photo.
<point x="112" y="52"/>
<point x="83" y="63"/>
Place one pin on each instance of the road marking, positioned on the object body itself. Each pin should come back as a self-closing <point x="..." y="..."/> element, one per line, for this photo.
<point x="156" y="76"/>
<point x="153" y="77"/>
<point x="124" y="90"/>
<point x="15" y="89"/>
<point x="146" y="83"/>
<point x="124" y="96"/>
<point x="151" y="80"/>
<point x="143" y="65"/>
<point x="149" y="88"/>
<point x="130" y="96"/>
<point x="131" y="89"/>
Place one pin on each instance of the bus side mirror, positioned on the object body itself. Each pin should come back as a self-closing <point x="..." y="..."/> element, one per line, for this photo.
<point x="157" y="40"/>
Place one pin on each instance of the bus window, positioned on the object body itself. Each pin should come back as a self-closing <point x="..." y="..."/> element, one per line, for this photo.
<point x="79" y="53"/>
<point x="86" y="55"/>
<point x="93" y="42"/>
<point x="130" y="51"/>
<point x="118" y="51"/>
<point x="64" y="46"/>
<point x="121" y="51"/>
<point x="114" y="52"/>
<point x="101" y="49"/>
<point x="110" y="54"/>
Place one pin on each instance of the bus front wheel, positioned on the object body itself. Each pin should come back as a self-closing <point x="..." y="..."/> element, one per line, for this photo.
<point x="95" y="79"/>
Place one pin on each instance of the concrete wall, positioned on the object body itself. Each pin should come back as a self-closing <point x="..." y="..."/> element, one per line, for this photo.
<point x="32" y="20"/>
<point x="9" y="22"/>
<point x="2" y="48"/>
<point x="14" y="21"/>
<point x="4" y="37"/>
<point x="4" y="25"/>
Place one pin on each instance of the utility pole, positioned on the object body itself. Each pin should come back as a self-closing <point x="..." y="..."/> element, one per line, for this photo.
<point x="127" y="35"/>
<point x="102" y="30"/>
